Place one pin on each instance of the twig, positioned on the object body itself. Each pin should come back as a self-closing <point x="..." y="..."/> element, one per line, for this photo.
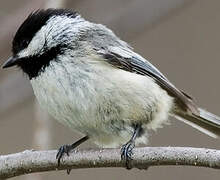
<point x="38" y="161"/>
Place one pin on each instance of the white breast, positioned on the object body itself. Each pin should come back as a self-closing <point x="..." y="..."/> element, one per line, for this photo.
<point x="98" y="100"/>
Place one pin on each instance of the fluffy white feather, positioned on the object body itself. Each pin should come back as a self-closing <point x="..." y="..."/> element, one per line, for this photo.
<point x="101" y="101"/>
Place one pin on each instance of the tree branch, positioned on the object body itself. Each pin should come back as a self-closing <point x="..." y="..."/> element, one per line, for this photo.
<point x="31" y="161"/>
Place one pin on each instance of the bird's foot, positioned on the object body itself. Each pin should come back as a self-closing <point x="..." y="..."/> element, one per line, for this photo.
<point x="65" y="149"/>
<point x="127" y="152"/>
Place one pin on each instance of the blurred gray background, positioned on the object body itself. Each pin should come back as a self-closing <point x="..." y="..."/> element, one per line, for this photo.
<point x="180" y="37"/>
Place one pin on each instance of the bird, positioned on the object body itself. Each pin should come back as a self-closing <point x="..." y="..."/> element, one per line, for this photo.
<point x="93" y="82"/>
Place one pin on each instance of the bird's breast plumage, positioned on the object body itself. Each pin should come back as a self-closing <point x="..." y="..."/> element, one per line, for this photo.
<point x="91" y="97"/>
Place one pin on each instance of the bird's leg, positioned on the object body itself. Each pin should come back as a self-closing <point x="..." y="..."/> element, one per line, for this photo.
<point x="127" y="149"/>
<point x="67" y="148"/>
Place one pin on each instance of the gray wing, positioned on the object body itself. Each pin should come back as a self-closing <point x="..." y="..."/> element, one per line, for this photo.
<point x="124" y="58"/>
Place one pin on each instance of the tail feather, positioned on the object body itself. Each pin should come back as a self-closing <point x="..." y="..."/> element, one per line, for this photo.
<point x="205" y="122"/>
<point x="209" y="118"/>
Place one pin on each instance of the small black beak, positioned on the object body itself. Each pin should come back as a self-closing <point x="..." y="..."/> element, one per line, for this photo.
<point x="10" y="62"/>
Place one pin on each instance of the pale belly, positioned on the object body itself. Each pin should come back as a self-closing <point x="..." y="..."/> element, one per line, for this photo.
<point x="103" y="107"/>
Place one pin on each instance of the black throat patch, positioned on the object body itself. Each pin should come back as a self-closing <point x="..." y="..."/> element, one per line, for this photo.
<point x="33" y="65"/>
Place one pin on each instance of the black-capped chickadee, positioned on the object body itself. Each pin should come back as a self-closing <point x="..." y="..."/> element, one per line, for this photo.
<point x="93" y="82"/>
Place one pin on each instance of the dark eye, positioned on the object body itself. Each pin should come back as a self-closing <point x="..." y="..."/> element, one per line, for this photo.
<point x="25" y="42"/>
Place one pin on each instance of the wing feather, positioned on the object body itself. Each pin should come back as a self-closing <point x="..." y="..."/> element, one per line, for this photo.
<point x="124" y="58"/>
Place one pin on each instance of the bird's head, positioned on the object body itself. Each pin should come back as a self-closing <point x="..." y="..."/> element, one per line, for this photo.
<point x="42" y="37"/>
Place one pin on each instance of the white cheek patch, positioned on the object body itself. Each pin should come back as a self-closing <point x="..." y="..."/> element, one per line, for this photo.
<point x="35" y="46"/>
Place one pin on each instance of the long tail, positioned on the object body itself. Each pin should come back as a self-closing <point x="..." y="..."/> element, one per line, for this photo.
<point x="205" y="122"/>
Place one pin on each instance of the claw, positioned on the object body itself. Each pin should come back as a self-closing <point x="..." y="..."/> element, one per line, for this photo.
<point x="65" y="149"/>
<point x="68" y="171"/>
<point x="127" y="152"/>
<point x="61" y="151"/>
